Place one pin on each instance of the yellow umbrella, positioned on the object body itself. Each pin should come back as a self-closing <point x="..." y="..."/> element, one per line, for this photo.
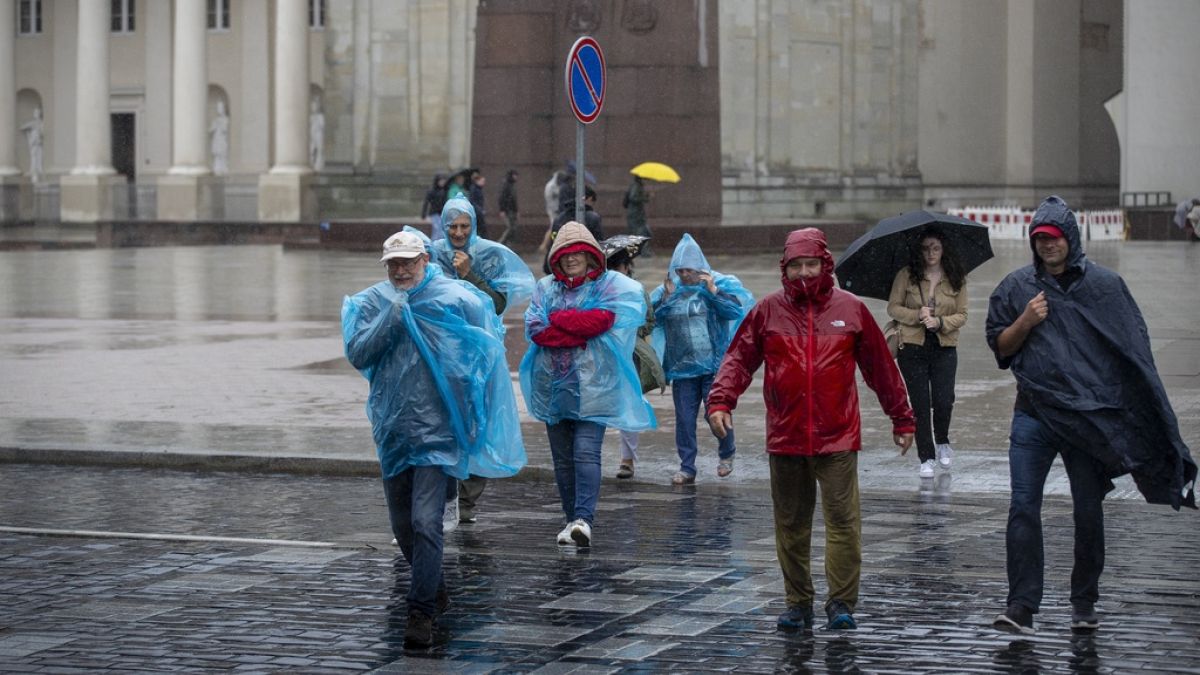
<point x="655" y="171"/>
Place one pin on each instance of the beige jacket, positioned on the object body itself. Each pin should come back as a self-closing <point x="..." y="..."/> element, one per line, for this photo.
<point x="904" y="305"/>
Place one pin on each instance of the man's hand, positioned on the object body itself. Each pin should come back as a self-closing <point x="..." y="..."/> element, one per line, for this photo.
<point x="462" y="264"/>
<point x="904" y="441"/>
<point x="1036" y="310"/>
<point x="707" y="280"/>
<point x="721" y="423"/>
<point x="668" y="286"/>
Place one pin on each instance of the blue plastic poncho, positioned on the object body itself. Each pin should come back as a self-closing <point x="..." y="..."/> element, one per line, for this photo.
<point x="502" y="269"/>
<point x="693" y="327"/>
<point x="598" y="383"/>
<point x="441" y="393"/>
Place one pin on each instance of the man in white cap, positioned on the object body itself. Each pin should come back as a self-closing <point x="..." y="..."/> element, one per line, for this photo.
<point x="441" y="404"/>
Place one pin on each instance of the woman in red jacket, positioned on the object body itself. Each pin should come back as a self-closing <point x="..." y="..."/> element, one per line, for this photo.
<point x="811" y="336"/>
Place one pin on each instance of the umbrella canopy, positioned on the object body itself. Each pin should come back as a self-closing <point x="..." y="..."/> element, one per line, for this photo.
<point x="870" y="264"/>
<point x="655" y="171"/>
<point x="631" y="243"/>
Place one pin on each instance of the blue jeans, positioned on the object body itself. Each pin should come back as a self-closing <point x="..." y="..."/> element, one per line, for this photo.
<point x="689" y="394"/>
<point x="1031" y="452"/>
<point x="415" y="500"/>
<point x="575" y="448"/>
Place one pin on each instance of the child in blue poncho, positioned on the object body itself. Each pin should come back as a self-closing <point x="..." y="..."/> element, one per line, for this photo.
<point x="696" y="313"/>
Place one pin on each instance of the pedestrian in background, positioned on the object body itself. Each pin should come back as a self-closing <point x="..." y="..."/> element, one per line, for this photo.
<point x="457" y="186"/>
<point x="696" y="311"/>
<point x="578" y="375"/>
<point x="551" y="193"/>
<point x="508" y="206"/>
<point x="811" y="336"/>
<point x="634" y="203"/>
<point x="441" y="405"/>
<point x="431" y="207"/>
<point x="475" y="195"/>
<point x="622" y="249"/>
<point x="929" y="301"/>
<point x="1088" y="390"/>
<point x="503" y="277"/>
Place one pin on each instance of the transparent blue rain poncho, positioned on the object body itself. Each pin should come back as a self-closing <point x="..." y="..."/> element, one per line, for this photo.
<point x="502" y="269"/>
<point x="693" y="327"/>
<point x="597" y="383"/>
<point x="440" y="389"/>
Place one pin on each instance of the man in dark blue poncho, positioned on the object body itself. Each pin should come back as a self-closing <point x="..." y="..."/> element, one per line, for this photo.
<point x="1087" y="389"/>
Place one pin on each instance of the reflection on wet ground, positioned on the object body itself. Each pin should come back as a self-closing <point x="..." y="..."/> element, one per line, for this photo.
<point x="678" y="578"/>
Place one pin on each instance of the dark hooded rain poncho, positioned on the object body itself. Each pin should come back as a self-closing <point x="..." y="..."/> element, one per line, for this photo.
<point x="1098" y="391"/>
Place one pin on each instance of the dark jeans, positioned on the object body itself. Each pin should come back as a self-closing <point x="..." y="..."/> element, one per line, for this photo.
<point x="1031" y="452"/>
<point x="928" y="372"/>
<point x="415" y="500"/>
<point x="575" y="449"/>
<point x="689" y="394"/>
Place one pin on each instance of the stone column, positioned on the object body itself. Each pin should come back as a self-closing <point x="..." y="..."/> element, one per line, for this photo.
<point x="8" y="89"/>
<point x="185" y="193"/>
<point x="284" y="194"/>
<point x="16" y="191"/>
<point x="87" y="191"/>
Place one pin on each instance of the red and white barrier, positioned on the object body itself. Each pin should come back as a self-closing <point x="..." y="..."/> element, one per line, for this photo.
<point x="1008" y="222"/>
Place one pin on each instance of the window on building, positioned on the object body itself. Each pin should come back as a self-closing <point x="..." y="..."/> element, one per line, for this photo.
<point x="29" y="17"/>
<point x="123" y="16"/>
<point x="218" y="14"/>
<point x="316" y="13"/>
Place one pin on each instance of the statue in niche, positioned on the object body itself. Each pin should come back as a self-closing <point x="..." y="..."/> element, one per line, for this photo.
<point x="639" y="16"/>
<point x="218" y="133"/>
<point x="583" y="16"/>
<point x="33" y="130"/>
<point x="316" y="135"/>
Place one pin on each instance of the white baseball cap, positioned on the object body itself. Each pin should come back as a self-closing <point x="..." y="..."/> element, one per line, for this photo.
<point x="402" y="245"/>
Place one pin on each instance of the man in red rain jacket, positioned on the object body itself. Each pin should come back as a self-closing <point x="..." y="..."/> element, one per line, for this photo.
<point x="811" y="335"/>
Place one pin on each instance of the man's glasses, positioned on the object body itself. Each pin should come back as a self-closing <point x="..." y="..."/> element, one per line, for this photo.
<point x="403" y="263"/>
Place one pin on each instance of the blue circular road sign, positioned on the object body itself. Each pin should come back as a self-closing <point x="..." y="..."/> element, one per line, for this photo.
<point x="586" y="79"/>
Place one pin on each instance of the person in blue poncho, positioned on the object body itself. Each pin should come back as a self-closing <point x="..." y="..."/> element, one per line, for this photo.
<point x="499" y="273"/>
<point x="578" y="375"/>
<point x="696" y="312"/>
<point x="441" y="404"/>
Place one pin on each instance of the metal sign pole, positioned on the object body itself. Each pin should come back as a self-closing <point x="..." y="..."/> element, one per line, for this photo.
<point x="580" y="173"/>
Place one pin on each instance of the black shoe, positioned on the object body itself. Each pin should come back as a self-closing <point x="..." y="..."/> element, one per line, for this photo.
<point x="418" y="634"/>
<point x="1084" y="618"/>
<point x="840" y="617"/>
<point x="795" y="618"/>
<point x="1016" y="619"/>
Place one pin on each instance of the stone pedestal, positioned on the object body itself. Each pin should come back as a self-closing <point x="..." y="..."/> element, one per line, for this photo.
<point x="184" y="198"/>
<point x="88" y="198"/>
<point x="16" y="199"/>
<point x="286" y="198"/>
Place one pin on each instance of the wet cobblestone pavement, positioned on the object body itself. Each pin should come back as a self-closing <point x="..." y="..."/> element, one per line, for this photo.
<point x="294" y="574"/>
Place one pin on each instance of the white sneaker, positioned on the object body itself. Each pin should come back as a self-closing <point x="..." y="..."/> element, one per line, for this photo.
<point x="564" y="537"/>
<point x="945" y="455"/>
<point x="926" y="470"/>
<point x="450" y="516"/>
<point x="581" y="533"/>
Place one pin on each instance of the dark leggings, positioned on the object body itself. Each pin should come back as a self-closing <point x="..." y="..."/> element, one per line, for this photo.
<point x="928" y="372"/>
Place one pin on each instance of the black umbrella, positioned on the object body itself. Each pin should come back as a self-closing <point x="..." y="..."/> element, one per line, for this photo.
<point x="870" y="264"/>
<point x="631" y="244"/>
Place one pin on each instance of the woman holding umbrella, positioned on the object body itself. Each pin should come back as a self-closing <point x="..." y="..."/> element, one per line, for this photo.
<point x="929" y="302"/>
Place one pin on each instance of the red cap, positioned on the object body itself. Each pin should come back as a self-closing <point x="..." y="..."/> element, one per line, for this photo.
<point x="1046" y="228"/>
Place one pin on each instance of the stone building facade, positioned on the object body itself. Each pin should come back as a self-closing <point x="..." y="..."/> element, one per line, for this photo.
<point x="773" y="110"/>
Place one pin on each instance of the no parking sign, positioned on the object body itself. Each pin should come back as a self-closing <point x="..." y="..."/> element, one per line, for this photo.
<point x="586" y="79"/>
